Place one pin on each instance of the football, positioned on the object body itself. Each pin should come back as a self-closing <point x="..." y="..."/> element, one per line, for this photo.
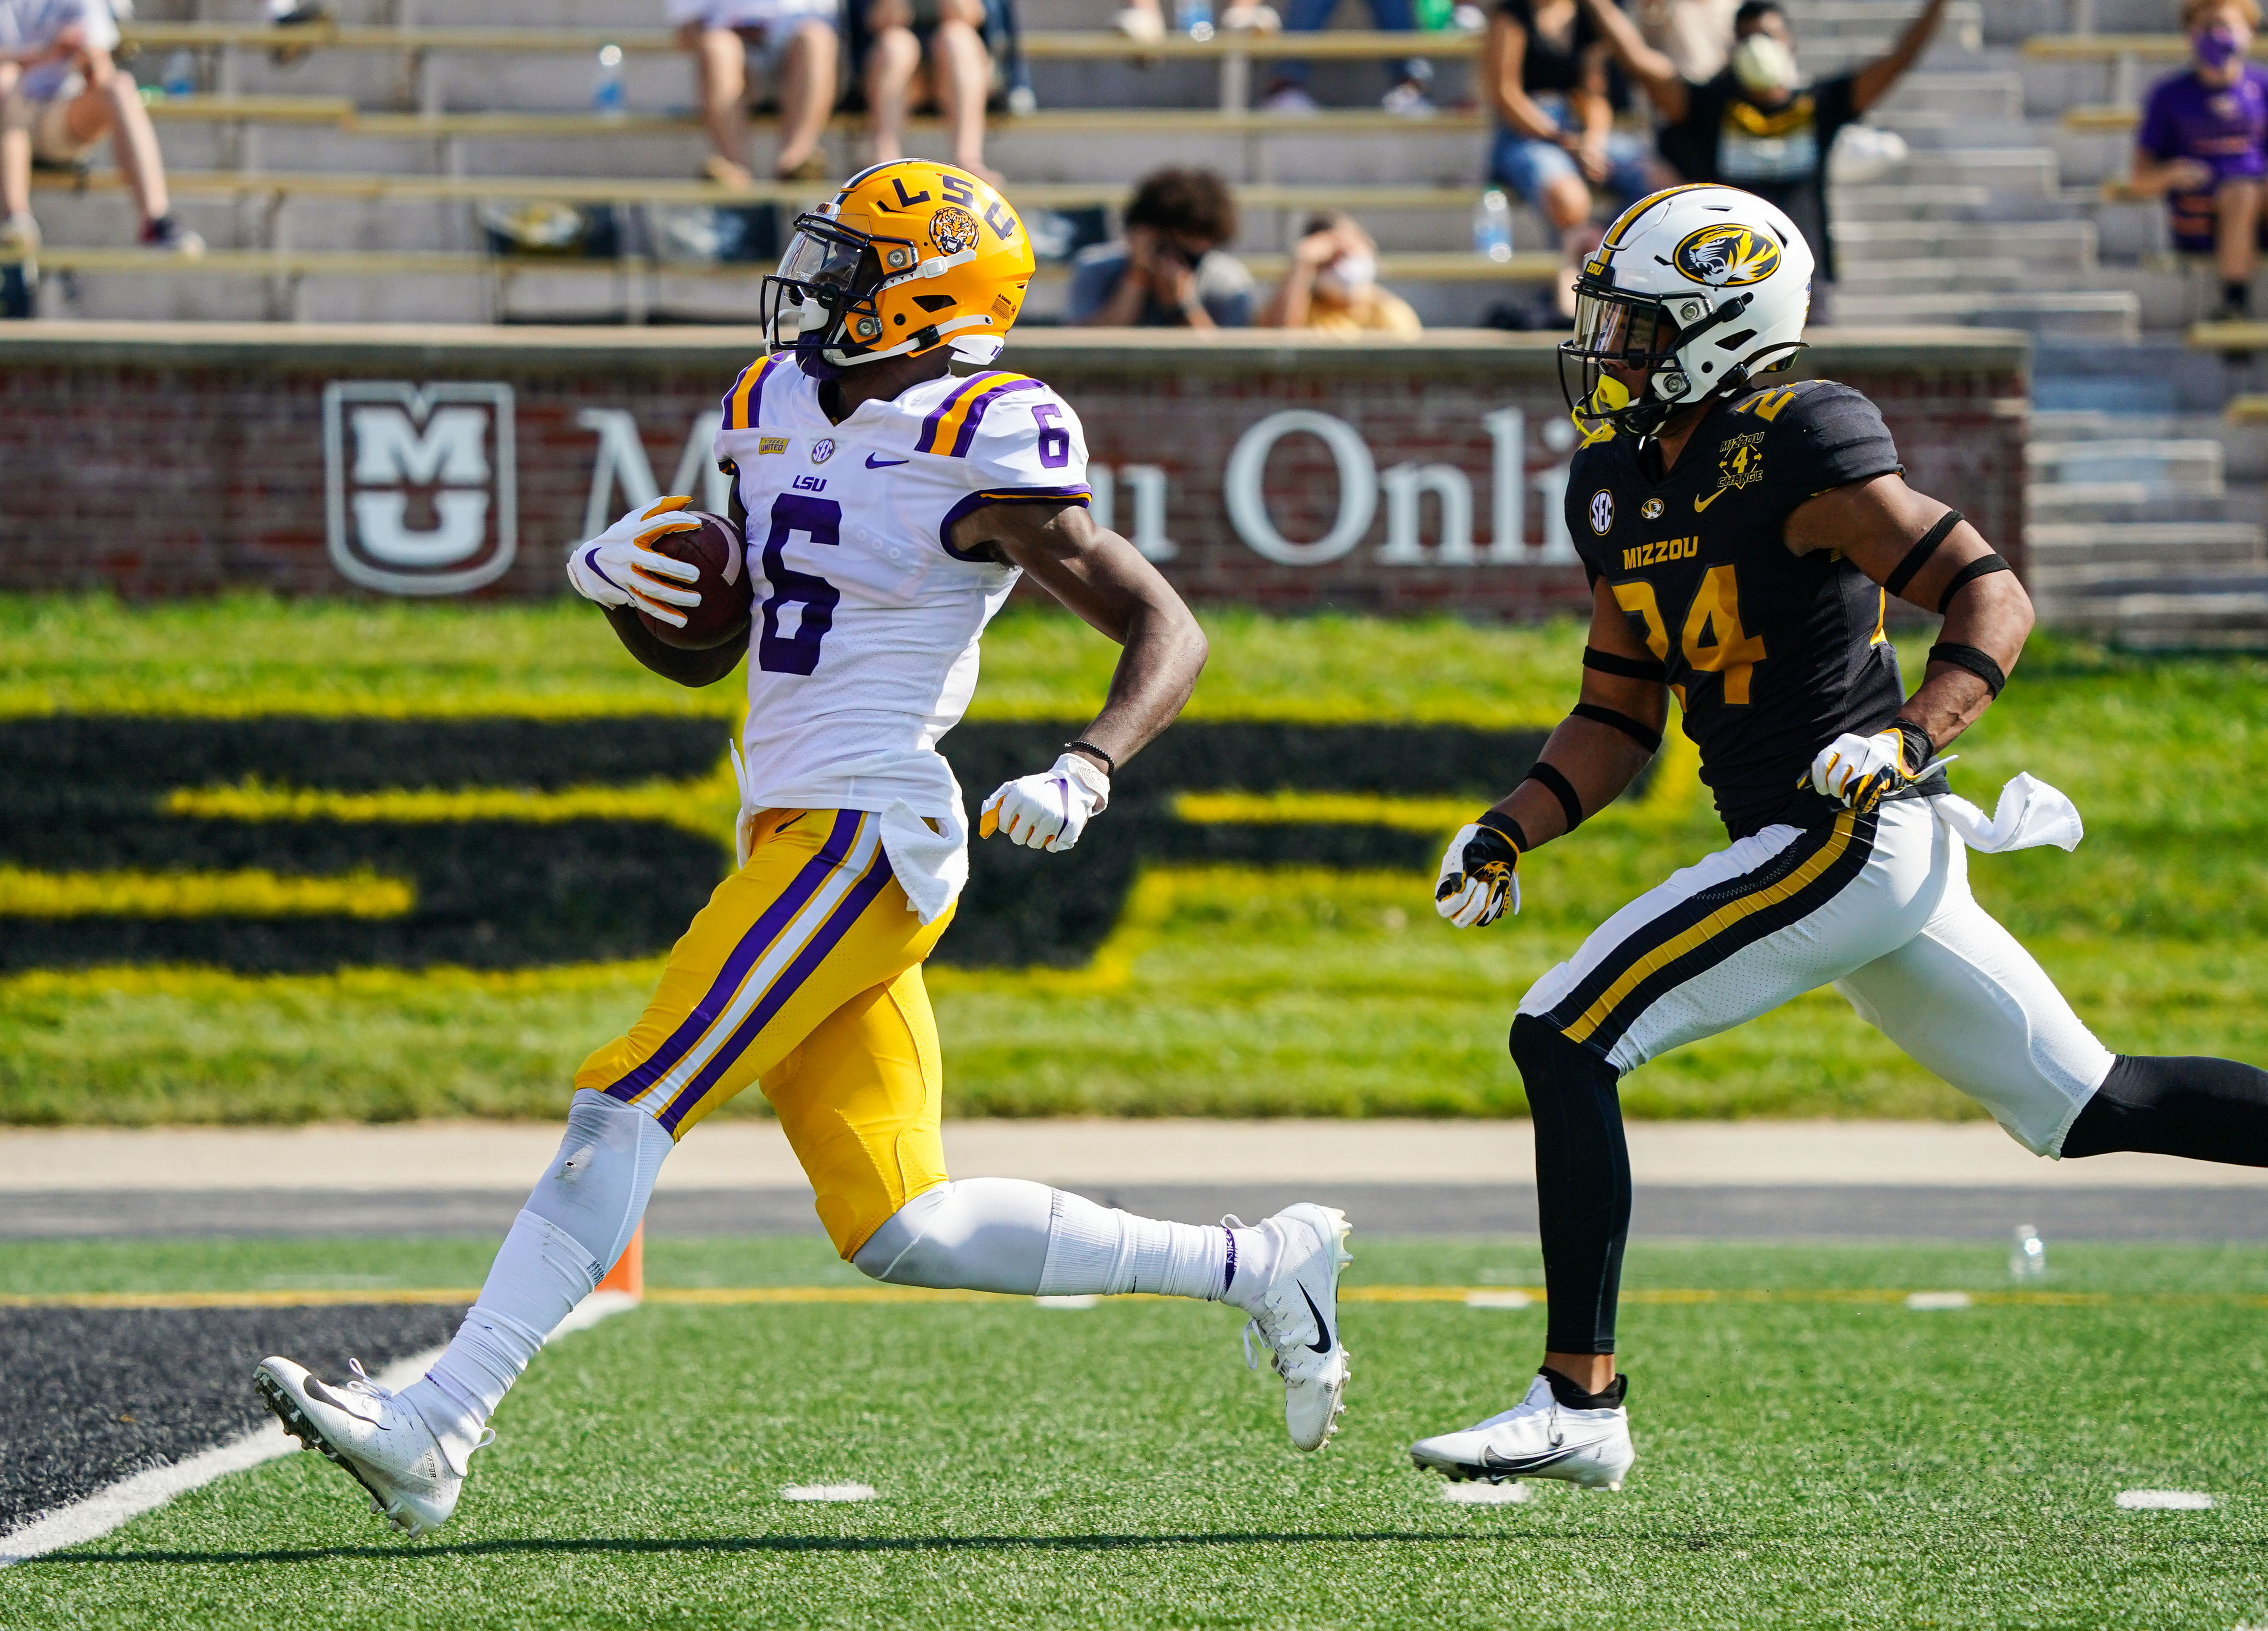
<point x="723" y="614"/>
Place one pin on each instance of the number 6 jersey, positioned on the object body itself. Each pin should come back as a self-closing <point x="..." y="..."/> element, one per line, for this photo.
<point x="862" y="653"/>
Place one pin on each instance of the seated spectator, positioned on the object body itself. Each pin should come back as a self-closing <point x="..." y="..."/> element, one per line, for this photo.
<point x="951" y="33"/>
<point x="1758" y="124"/>
<point x="1171" y="272"/>
<point x="60" y="94"/>
<point x="1696" y="35"/>
<point x="1410" y="82"/>
<point x="790" y="41"/>
<point x="2201" y="144"/>
<point x="1543" y="69"/>
<point x="1332" y="287"/>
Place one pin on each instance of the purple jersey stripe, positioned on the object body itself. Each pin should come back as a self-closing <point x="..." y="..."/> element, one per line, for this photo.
<point x="790" y="981"/>
<point x="925" y="441"/>
<point x="976" y="414"/>
<point x="766" y="929"/>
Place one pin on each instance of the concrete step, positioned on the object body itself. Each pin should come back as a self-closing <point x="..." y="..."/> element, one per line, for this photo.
<point x="1863" y="275"/>
<point x="2001" y="169"/>
<point x="2218" y="616"/>
<point x="2069" y="546"/>
<point x="2188" y="465"/>
<point x="1980" y="95"/>
<point x="2065" y="314"/>
<point x="2066" y="245"/>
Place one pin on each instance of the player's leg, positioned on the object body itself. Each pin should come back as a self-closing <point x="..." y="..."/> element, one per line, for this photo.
<point x="1721" y="942"/>
<point x="807" y="95"/>
<point x="1965" y="999"/>
<point x="893" y="56"/>
<point x="861" y="1101"/>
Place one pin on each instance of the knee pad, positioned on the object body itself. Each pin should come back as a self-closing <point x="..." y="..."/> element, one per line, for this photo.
<point x="595" y="1189"/>
<point x="973" y="1234"/>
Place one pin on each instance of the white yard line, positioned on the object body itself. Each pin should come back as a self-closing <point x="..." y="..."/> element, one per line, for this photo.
<point x="103" y="1511"/>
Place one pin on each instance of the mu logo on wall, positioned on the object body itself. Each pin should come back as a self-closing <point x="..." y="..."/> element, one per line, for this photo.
<point x="291" y="844"/>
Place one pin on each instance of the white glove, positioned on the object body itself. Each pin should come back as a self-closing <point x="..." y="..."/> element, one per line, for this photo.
<point x="1860" y="771"/>
<point x="1480" y="877"/>
<point x="1048" y="811"/>
<point x="617" y="569"/>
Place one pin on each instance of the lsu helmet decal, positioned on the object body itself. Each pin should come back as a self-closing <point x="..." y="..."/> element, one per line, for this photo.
<point x="909" y="256"/>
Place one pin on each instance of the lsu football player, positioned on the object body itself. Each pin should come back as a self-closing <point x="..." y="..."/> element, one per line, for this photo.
<point x="888" y="506"/>
<point x="1743" y="534"/>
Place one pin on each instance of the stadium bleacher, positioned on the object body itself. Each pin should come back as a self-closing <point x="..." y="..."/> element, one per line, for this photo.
<point x="351" y="184"/>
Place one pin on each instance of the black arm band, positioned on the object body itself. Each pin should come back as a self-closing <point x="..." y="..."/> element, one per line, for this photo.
<point x="1976" y="662"/>
<point x="1649" y="740"/>
<point x="1982" y="566"/>
<point x="1560" y="788"/>
<point x="1917" y="556"/>
<point x="1109" y="764"/>
<point x="1506" y="828"/>
<point x="1626" y="668"/>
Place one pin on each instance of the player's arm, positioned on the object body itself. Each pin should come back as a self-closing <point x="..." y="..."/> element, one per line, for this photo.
<point x="1925" y="554"/>
<point x="1664" y="85"/>
<point x="1596" y="753"/>
<point x="691" y="669"/>
<point x="1104" y="578"/>
<point x="1876" y="77"/>
<point x="618" y="572"/>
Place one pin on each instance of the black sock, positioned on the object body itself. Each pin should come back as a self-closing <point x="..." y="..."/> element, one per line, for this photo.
<point x="1582" y="1183"/>
<point x="2205" y="1109"/>
<point x="1573" y="1398"/>
<point x="2235" y="294"/>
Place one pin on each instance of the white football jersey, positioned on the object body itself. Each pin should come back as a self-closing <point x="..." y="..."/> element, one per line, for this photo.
<point x="863" y="649"/>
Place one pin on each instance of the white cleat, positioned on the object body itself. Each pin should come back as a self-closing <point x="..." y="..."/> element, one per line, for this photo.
<point x="373" y="1432"/>
<point x="1536" y="1438"/>
<point x="1298" y="1319"/>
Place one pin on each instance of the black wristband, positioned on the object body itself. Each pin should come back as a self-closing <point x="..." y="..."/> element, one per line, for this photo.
<point x="1649" y="740"/>
<point x="1624" y="667"/>
<point x="1918" y="557"/>
<point x="1109" y="764"/>
<point x="1955" y="654"/>
<point x="1506" y="828"/>
<point x="1982" y="566"/>
<point x="1920" y="749"/>
<point x="1560" y="788"/>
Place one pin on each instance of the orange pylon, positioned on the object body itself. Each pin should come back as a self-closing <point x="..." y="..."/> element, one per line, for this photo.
<point x="629" y="1272"/>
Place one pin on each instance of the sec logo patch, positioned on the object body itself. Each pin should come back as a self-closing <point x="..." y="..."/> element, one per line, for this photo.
<point x="1603" y="511"/>
<point x="823" y="450"/>
<point x="1651" y="509"/>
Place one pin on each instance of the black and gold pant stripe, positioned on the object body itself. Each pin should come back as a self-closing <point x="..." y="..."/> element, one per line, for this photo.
<point x="1704" y="930"/>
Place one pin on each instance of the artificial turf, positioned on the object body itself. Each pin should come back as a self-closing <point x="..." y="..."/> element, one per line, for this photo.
<point x="1810" y="1455"/>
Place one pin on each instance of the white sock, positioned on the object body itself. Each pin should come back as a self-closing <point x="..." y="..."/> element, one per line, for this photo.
<point x="1094" y="1248"/>
<point x="1254" y="1260"/>
<point x="540" y="1274"/>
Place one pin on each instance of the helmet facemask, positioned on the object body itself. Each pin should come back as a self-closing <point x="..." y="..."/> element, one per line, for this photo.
<point x="1639" y="333"/>
<point x="820" y="304"/>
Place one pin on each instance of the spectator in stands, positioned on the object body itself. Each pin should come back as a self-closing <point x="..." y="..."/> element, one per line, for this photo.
<point x="1758" y="125"/>
<point x="793" y="43"/>
<point x="1332" y="287"/>
<point x="60" y="95"/>
<point x="1696" y="35"/>
<point x="1410" y="82"/>
<point x="951" y="33"/>
<point x="2201" y="144"/>
<point x="1543" y="68"/>
<point x="1171" y="272"/>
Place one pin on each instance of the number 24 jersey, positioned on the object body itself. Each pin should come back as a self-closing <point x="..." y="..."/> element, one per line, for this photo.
<point x="863" y="648"/>
<point x="1772" y="655"/>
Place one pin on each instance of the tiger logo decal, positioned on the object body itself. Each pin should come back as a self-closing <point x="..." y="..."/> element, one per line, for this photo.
<point x="1726" y="256"/>
<point x="952" y="230"/>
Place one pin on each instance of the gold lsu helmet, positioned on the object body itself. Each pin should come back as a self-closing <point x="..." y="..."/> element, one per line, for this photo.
<point x="909" y="256"/>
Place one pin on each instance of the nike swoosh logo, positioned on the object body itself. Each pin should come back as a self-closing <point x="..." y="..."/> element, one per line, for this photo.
<point x="872" y="464"/>
<point x="1491" y="1462"/>
<point x="1322" y="1329"/>
<point x="1700" y="505"/>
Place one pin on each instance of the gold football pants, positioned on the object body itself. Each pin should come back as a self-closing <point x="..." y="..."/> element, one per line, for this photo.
<point x="803" y="973"/>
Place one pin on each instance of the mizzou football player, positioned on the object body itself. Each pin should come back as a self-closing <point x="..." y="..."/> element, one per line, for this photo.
<point x="889" y="504"/>
<point x="1743" y="535"/>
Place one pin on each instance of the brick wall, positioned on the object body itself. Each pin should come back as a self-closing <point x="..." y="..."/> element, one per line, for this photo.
<point x="173" y="459"/>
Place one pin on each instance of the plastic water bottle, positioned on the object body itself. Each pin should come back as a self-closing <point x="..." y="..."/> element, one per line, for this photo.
<point x="1436" y="16"/>
<point x="2027" y="1255"/>
<point x="180" y="78"/>
<point x="1492" y="226"/>
<point x="1194" y="18"/>
<point x="607" y="88"/>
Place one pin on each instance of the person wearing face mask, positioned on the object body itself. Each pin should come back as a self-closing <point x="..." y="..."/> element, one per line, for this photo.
<point x="1332" y="287"/>
<point x="1758" y="125"/>
<point x="2201" y="144"/>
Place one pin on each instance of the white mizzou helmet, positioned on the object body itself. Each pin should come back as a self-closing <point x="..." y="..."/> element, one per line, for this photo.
<point x="1702" y="286"/>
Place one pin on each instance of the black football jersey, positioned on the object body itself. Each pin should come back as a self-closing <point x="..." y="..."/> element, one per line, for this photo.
<point x="1772" y="655"/>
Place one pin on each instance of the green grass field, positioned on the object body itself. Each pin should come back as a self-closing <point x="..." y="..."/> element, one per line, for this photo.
<point x="1224" y="990"/>
<point x="1811" y="1453"/>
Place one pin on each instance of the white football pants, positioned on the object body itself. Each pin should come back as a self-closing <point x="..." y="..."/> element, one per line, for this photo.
<point x="1876" y="905"/>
